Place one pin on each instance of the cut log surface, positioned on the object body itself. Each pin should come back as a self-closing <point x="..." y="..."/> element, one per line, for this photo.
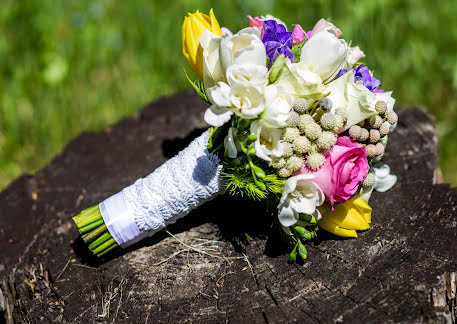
<point x="223" y="262"/>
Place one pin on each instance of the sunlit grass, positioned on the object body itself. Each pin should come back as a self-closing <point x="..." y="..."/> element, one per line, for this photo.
<point x="71" y="66"/>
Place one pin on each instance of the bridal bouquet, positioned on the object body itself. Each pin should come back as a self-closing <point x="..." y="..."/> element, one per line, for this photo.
<point x="296" y="121"/>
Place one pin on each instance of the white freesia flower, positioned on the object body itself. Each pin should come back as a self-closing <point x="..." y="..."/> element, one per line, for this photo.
<point x="383" y="182"/>
<point x="277" y="107"/>
<point x="358" y="101"/>
<point x="268" y="141"/>
<point x="325" y="54"/>
<point x="220" y="52"/>
<point x="270" y="126"/>
<point x="243" y="95"/>
<point x="300" y="196"/>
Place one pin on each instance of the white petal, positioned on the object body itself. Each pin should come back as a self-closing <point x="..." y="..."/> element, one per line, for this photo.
<point x="287" y="216"/>
<point x="217" y="116"/>
<point x="385" y="183"/>
<point x="303" y="206"/>
<point x="212" y="72"/>
<point x="365" y="193"/>
<point x="317" y="215"/>
<point x="325" y="54"/>
<point x="220" y="94"/>
<point x="382" y="172"/>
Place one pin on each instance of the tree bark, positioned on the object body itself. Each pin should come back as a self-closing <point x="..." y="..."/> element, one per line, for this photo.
<point x="223" y="262"/>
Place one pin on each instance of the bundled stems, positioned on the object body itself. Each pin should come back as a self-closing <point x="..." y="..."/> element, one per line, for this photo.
<point x="94" y="231"/>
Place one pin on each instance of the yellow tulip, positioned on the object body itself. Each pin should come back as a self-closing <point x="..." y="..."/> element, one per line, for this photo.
<point x="194" y="25"/>
<point x="347" y="218"/>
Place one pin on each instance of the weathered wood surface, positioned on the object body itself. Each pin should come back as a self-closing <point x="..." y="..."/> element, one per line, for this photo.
<point x="402" y="269"/>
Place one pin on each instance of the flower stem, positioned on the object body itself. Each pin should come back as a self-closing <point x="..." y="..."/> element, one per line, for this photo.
<point x="102" y="239"/>
<point x="87" y="216"/>
<point x="91" y="225"/>
<point x="89" y="237"/>
<point x="104" y="246"/>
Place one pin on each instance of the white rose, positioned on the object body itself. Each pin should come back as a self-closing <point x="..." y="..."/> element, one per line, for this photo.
<point x="325" y="54"/>
<point x="297" y="80"/>
<point x="300" y="196"/>
<point x="220" y="52"/>
<point x="355" y="98"/>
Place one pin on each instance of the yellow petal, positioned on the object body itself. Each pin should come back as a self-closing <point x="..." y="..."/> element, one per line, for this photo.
<point x="215" y="28"/>
<point x="193" y="26"/>
<point x="331" y="227"/>
<point x="364" y="209"/>
<point x="354" y="214"/>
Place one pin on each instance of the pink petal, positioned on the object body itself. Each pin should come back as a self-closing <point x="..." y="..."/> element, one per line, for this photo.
<point x="298" y="34"/>
<point x="322" y="24"/>
<point x="256" y="23"/>
<point x="357" y="53"/>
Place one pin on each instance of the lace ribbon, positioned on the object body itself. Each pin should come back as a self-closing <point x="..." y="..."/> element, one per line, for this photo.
<point x="179" y="185"/>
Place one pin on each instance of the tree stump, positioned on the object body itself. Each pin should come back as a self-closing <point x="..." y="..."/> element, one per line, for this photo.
<point x="402" y="269"/>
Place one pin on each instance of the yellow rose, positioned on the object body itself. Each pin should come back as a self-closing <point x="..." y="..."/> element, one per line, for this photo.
<point x="354" y="214"/>
<point x="192" y="28"/>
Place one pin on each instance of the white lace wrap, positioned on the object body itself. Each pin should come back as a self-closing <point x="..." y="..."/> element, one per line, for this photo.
<point x="170" y="192"/>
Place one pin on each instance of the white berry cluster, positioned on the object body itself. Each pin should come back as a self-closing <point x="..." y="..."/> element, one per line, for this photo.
<point x="309" y="134"/>
<point x="373" y="131"/>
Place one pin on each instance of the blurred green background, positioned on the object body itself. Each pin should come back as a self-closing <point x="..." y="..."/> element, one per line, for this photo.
<point x="71" y="66"/>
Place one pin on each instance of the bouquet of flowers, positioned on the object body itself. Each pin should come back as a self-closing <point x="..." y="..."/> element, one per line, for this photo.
<point x="296" y="122"/>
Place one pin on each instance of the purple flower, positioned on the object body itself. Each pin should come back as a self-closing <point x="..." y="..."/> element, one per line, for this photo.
<point x="277" y="41"/>
<point x="361" y="73"/>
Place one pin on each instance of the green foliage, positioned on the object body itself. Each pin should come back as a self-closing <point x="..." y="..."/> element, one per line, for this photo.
<point x="240" y="182"/>
<point x="297" y="51"/>
<point x="198" y="86"/>
<point x="72" y="66"/>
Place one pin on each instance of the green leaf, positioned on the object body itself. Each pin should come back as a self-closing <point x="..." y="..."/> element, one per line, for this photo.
<point x="198" y="87"/>
<point x="297" y="51"/>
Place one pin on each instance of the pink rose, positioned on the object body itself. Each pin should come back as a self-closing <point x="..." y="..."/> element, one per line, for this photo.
<point x="322" y="24"/>
<point x="344" y="170"/>
<point x="256" y="23"/>
<point x="298" y="34"/>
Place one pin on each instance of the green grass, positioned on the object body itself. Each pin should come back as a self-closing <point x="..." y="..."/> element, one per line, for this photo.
<point x="71" y="66"/>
